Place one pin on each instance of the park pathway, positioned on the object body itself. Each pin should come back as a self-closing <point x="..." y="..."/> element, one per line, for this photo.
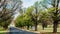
<point x="13" y="30"/>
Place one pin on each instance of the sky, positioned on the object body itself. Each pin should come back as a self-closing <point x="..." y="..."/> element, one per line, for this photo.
<point x="27" y="3"/>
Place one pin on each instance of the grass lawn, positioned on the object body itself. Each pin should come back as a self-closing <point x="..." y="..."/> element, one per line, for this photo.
<point x="3" y="33"/>
<point x="2" y="30"/>
<point x="47" y="30"/>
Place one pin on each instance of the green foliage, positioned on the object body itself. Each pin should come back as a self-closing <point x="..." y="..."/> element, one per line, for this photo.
<point x="20" y="21"/>
<point x="25" y="19"/>
<point x="7" y="15"/>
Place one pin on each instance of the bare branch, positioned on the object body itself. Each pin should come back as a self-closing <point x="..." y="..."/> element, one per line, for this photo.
<point x="2" y="3"/>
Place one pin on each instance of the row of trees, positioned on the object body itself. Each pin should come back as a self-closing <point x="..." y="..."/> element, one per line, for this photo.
<point x="45" y="12"/>
<point x="41" y="12"/>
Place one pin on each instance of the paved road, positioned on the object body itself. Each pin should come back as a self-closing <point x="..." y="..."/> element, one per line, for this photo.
<point x="18" y="31"/>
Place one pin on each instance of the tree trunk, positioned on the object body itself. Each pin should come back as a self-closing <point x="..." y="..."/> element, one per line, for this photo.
<point x="55" y="24"/>
<point x="36" y="20"/>
<point x="27" y="27"/>
<point x="5" y="25"/>
<point x="36" y="26"/>
<point x="43" y="26"/>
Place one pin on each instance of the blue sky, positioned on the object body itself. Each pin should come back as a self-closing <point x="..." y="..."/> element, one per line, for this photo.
<point x="27" y="3"/>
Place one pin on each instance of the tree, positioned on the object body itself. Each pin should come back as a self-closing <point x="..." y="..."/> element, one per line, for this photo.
<point x="44" y="18"/>
<point x="55" y="4"/>
<point x="20" y="22"/>
<point x="29" y="11"/>
<point x="3" y="15"/>
<point x="25" y="19"/>
<point x="6" y="15"/>
<point x="36" y="5"/>
<point x="55" y="23"/>
<point x="55" y="12"/>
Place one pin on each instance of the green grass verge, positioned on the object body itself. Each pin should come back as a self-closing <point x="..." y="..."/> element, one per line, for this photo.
<point x="3" y="33"/>
<point x="1" y="29"/>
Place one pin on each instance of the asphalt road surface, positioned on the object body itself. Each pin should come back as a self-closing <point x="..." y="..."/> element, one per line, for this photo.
<point x="13" y="30"/>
